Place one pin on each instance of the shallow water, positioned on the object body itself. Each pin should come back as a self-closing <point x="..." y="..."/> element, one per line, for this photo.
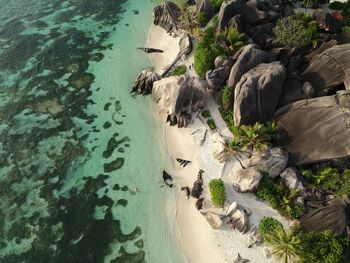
<point x="74" y="143"/>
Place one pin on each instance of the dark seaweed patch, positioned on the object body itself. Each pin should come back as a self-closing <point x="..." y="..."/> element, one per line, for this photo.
<point x="114" y="165"/>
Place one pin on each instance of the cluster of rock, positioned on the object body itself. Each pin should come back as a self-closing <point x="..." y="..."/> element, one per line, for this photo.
<point x="234" y="215"/>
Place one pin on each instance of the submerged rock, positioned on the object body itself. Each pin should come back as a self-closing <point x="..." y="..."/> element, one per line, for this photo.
<point x="329" y="70"/>
<point x="316" y="129"/>
<point x="168" y="16"/>
<point x="179" y="96"/>
<point x="144" y="82"/>
<point x="246" y="180"/>
<point x="257" y="93"/>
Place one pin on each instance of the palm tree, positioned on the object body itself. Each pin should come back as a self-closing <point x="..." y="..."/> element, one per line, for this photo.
<point x="234" y="148"/>
<point x="286" y="245"/>
<point x="189" y="21"/>
<point x="230" y="39"/>
<point x="255" y="137"/>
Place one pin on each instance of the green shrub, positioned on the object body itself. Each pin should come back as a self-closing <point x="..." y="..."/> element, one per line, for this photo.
<point x="345" y="29"/>
<point x="336" y="5"/>
<point x="202" y="19"/>
<point x="179" y="70"/>
<point x="205" y="113"/>
<point x="215" y="22"/>
<point x="205" y="52"/>
<point x="211" y="124"/>
<point x="226" y="98"/>
<point x="227" y="116"/>
<point x="216" y="4"/>
<point x="268" y="225"/>
<point x="324" y="245"/>
<point x="217" y="192"/>
<point x="291" y="32"/>
<point x="329" y="179"/>
<point x="279" y="197"/>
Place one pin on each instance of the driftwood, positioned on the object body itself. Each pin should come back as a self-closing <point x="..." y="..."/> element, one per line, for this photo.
<point x="183" y="162"/>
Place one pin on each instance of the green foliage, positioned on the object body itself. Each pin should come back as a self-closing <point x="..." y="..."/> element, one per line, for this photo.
<point x="205" y="52"/>
<point x="216" y="4"/>
<point x="279" y="197"/>
<point x="211" y="124"/>
<point x="179" y="70"/>
<point x="227" y="116"/>
<point x="227" y="97"/>
<point x="202" y="19"/>
<point x="345" y="29"/>
<point x="336" y="5"/>
<point x="286" y="245"/>
<point x="324" y="245"/>
<point x="256" y="136"/>
<point x="217" y="192"/>
<point x="346" y="14"/>
<point x="329" y="179"/>
<point x="267" y="225"/>
<point x="205" y="113"/>
<point x="230" y="39"/>
<point x="215" y="22"/>
<point x="189" y="21"/>
<point x="292" y="31"/>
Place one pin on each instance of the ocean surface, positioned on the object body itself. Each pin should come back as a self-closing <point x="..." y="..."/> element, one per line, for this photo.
<point x="75" y="144"/>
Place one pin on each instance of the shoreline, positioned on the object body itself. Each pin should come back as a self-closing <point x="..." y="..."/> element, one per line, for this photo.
<point x="198" y="241"/>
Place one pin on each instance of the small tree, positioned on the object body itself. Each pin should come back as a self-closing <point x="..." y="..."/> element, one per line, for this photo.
<point x="291" y="32"/>
<point x="286" y="245"/>
<point x="217" y="192"/>
<point x="234" y="148"/>
<point x="267" y="225"/>
<point x="230" y="39"/>
<point x="189" y="21"/>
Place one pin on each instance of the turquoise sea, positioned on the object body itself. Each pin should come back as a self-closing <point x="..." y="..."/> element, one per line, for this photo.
<point x="75" y="144"/>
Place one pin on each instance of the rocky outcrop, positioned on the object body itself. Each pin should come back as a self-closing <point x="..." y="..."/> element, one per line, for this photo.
<point x="257" y="93"/>
<point x="326" y="21"/>
<point x="179" y="96"/>
<point x="246" y="180"/>
<point x="272" y="161"/>
<point x="197" y="189"/>
<point x="185" y="45"/>
<point x="228" y="10"/>
<point x="316" y="129"/>
<point x="144" y="82"/>
<point x="219" y="147"/>
<point x="205" y="7"/>
<point x="217" y="77"/>
<point x="329" y="70"/>
<point x="239" y="220"/>
<point x="168" y="16"/>
<point x="290" y="178"/>
<point x="335" y="217"/>
<point x="247" y="58"/>
<point x="257" y="11"/>
<point x="213" y="219"/>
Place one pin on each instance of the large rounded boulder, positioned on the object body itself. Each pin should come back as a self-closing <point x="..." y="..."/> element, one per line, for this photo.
<point x="168" y="16"/>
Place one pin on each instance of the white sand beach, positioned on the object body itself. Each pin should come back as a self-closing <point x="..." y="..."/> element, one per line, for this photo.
<point x="199" y="241"/>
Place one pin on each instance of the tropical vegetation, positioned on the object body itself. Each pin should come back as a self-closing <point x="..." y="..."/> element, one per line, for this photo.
<point x="295" y="245"/>
<point x="179" y="70"/>
<point x="217" y="192"/>
<point x="279" y="197"/>
<point x="230" y="39"/>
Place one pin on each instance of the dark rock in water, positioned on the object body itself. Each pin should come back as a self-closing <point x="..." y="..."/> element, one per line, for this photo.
<point x="247" y="58"/>
<point x="326" y="21"/>
<point x="114" y="165"/>
<point x="150" y="50"/>
<point x="179" y="96"/>
<point x="167" y="179"/>
<point x="227" y="11"/>
<point x="205" y="7"/>
<point x="144" y="82"/>
<point x="316" y="129"/>
<point x="329" y="70"/>
<point x="187" y="191"/>
<point x="185" y="45"/>
<point x="217" y="77"/>
<point x="107" y="125"/>
<point x="168" y="16"/>
<point x="197" y="189"/>
<point x="136" y="12"/>
<point x="335" y="217"/>
<point x="199" y="203"/>
<point x="257" y="93"/>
